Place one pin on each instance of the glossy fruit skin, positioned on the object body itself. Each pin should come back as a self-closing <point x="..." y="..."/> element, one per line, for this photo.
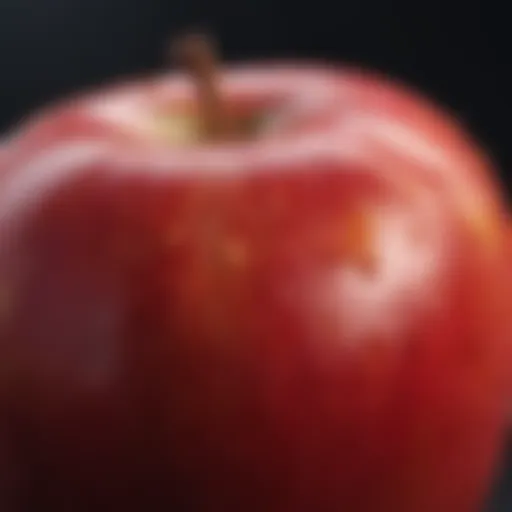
<point x="315" y="321"/>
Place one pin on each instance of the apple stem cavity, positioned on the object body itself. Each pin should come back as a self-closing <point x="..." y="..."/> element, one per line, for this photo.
<point x="196" y="53"/>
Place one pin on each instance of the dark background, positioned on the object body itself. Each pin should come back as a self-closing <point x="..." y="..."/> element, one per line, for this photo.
<point x="456" y="51"/>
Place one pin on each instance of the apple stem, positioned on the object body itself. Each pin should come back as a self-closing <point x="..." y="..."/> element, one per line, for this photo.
<point x="196" y="53"/>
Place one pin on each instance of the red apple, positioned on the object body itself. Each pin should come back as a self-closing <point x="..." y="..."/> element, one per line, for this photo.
<point x="309" y="319"/>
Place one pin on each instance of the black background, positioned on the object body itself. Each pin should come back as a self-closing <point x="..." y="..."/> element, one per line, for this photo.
<point x="456" y="51"/>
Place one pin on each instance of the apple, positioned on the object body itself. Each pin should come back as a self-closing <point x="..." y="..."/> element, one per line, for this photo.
<point x="307" y="312"/>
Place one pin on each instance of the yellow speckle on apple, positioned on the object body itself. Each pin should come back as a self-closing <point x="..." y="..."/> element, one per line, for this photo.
<point x="358" y="241"/>
<point x="235" y="253"/>
<point x="485" y="224"/>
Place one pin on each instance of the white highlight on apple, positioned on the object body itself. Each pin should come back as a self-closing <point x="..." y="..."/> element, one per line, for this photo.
<point x="32" y="179"/>
<point x="362" y="306"/>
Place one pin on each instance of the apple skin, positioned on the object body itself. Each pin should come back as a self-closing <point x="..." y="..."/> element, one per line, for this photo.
<point x="311" y="321"/>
